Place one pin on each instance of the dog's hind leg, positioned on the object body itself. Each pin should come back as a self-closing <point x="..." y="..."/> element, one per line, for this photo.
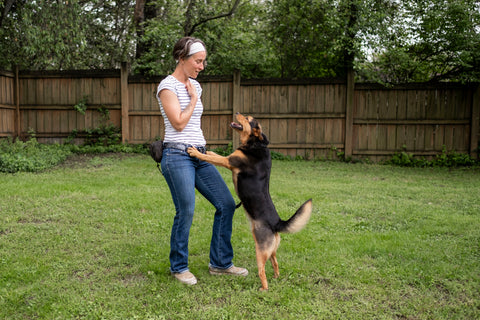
<point x="262" y="258"/>
<point x="265" y="245"/>
<point x="273" y="257"/>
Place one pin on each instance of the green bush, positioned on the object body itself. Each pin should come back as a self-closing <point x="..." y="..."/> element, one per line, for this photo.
<point x="445" y="159"/>
<point x="30" y="156"/>
<point x="104" y="135"/>
<point x="224" y="151"/>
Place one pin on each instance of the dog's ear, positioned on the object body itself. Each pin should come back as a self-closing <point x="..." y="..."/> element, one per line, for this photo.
<point x="265" y="139"/>
<point x="258" y="133"/>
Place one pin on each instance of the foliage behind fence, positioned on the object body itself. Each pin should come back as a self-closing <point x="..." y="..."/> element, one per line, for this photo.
<point x="308" y="118"/>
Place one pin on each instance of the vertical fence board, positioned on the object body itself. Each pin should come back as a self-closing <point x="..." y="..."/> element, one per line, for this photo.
<point x="245" y="105"/>
<point x="311" y="99"/>
<point x="7" y="105"/>
<point x="270" y="100"/>
<point x="410" y="136"/>
<point x="146" y="128"/>
<point x="381" y="137"/>
<point x="302" y="96"/>
<point x="319" y="136"/>
<point x="292" y="93"/>
<point x="310" y="131"/>
<point x="208" y="96"/>
<point x="206" y="126"/>
<point x="283" y="99"/>
<point x="359" y="103"/>
<point x="420" y="138"/>
<point x="319" y="101"/>
<point x="301" y="131"/>
<point x="391" y="138"/>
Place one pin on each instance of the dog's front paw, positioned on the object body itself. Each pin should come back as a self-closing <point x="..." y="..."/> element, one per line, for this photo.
<point x="192" y="151"/>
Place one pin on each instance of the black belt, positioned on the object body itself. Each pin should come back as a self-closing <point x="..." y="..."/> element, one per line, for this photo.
<point x="183" y="146"/>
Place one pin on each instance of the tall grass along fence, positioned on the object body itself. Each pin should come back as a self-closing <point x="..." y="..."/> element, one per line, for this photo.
<point x="312" y="118"/>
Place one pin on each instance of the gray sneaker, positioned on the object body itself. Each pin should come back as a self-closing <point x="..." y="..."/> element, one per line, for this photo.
<point x="235" y="271"/>
<point x="186" y="277"/>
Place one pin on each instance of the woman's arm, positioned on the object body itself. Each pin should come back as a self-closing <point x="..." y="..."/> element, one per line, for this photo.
<point x="171" y="106"/>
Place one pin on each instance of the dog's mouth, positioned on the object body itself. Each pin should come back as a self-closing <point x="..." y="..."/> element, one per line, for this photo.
<point x="236" y="126"/>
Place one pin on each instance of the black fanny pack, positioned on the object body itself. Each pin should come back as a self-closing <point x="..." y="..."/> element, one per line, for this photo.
<point x="156" y="151"/>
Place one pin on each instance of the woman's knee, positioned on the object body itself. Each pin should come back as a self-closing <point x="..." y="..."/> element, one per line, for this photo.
<point x="226" y="206"/>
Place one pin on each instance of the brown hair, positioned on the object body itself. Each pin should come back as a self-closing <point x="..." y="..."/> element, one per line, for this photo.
<point x="182" y="47"/>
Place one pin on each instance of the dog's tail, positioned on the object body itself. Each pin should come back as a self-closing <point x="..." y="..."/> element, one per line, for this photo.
<point x="297" y="221"/>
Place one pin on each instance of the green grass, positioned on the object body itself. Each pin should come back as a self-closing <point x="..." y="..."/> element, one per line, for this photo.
<point x="90" y="240"/>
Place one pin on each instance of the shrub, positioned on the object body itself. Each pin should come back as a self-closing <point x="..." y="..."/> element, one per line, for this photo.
<point x="104" y="135"/>
<point x="445" y="159"/>
<point x="30" y="156"/>
<point x="224" y="151"/>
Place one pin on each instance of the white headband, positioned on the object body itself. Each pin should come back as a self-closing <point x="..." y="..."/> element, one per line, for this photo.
<point x="196" y="47"/>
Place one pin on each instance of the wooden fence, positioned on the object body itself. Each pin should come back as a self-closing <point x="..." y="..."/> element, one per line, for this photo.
<point x="312" y="118"/>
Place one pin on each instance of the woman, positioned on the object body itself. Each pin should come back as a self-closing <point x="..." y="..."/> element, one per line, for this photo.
<point x="179" y="98"/>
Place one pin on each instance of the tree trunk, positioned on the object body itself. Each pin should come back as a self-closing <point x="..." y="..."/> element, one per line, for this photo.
<point x="144" y="11"/>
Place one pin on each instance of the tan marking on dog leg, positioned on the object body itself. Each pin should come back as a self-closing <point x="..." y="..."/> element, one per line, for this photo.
<point x="273" y="258"/>
<point x="210" y="157"/>
<point x="262" y="258"/>
<point x="235" y="172"/>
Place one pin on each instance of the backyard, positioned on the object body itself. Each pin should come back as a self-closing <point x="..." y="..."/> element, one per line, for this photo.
<point x="89" y="239"/>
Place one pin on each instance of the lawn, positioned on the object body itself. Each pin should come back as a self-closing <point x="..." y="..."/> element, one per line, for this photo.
<point x="89" y="239"/>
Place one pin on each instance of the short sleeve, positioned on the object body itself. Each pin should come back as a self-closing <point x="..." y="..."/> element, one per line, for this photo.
<point x="165" y="84"/>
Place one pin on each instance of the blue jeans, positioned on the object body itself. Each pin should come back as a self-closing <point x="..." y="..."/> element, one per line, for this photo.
<point x="183" y="174"/>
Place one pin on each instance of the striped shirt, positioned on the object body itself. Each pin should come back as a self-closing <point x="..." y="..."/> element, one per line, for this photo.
<point x="192" y="133"/>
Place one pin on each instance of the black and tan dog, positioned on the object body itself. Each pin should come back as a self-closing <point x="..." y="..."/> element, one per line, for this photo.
<point x="250" y="165"/>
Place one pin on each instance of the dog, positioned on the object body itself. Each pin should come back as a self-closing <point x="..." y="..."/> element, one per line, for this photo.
<point x="250" y="165"/>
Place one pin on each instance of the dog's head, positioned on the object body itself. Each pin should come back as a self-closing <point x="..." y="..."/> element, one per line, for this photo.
<point x="250" y="130"/>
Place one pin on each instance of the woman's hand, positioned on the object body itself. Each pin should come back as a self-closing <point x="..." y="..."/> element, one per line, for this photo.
<point x="192" y="92"/>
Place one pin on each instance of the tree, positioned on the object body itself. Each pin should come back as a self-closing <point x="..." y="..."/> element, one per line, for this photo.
<point x="241" y="42"/>
<point x="144" y="11"/>
<point x="157" y="36"/>
<point x="387" y="41"/>
<point x="304" y="39"/>
<point x="6" y="7"/>
<point x="425" y="40"/>
<point x="232" y="31"/>
<point x="203" y="15"/>
<point x="315" y="38"/>
<point x="70" y="34"/>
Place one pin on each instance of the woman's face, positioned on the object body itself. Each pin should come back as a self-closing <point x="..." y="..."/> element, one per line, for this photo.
<point x="194" y="64"/>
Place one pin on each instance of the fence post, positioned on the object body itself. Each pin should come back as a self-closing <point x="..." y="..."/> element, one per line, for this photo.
<point x="17" y="127"/>
<point x="475" y="122"/>
<point x="349" y="101"/>
<point x="236" y="103"/>
<point x="124" y="101"/>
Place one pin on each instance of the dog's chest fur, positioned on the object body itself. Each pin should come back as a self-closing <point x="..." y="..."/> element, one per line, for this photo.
<point x="252" y="182"/>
